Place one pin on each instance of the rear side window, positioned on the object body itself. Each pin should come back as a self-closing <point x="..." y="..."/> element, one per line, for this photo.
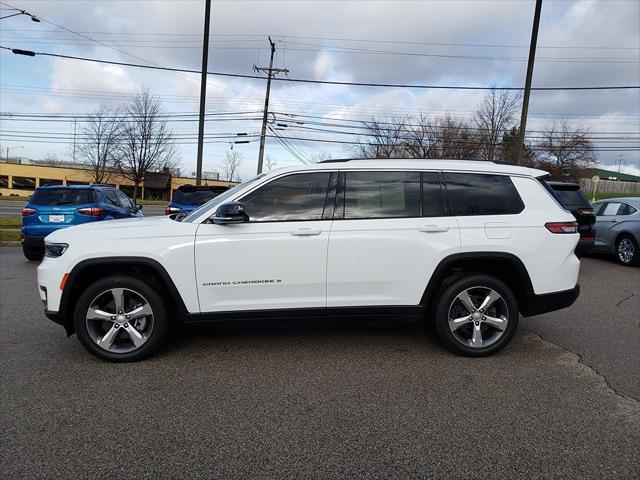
<point x="482" y="194"/>
<point x="294" y="197"/>
<point x="382" y="195"/>
<point x="62" y="196"/>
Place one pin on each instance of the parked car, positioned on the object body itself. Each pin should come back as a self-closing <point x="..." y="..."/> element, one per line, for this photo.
<point x="189" y="197"/>
<point x="571" y="197"/>
<point x="55" y="207"/>
<point x="468" y="245"/>
<point x="618" y="228"/>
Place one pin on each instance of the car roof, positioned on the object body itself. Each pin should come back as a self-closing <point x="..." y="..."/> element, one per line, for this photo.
<point x="74" y="187"/>
<point x="633" y="201"/>
<point x="412" y="163"/>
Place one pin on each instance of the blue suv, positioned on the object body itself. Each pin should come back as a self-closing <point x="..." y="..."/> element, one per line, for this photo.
<point x="189" y="197"/>
<point x="54" y="207"/>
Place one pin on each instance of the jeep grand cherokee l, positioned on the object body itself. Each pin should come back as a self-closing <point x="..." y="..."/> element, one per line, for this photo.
<point x="466" y="245"/>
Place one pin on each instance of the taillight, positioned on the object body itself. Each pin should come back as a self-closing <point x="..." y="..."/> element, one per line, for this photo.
<point x="171" y="210"/>
<point x="585" y="211"/>
<point x="92" y="211"/>
<point x="28" y="211"/>
<point x="562" y="227"/>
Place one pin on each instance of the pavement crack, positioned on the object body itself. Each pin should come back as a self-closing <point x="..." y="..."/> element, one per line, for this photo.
<point x="624" y="300"/>
<point x="583" y="362"/>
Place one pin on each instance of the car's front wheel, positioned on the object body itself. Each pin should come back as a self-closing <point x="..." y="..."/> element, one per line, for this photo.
<point x="476" y="315"/>
<point x="33" y="254"/>
<point x="627" y="251"/>
<point x="121" y="319"/>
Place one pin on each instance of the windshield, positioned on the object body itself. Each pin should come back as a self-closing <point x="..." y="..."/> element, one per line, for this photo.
<point x="62" y="196"/>
<point x="193" y="198"/>
<point x="220" y="199"/>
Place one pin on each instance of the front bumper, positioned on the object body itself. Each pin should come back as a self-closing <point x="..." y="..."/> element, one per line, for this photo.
<point x="549" y="302"/>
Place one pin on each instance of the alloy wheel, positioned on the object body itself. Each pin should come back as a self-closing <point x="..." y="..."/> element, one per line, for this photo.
<point x="119" y="320"/>
<point x="478" y="317"/>
<point x="626" y="250"/>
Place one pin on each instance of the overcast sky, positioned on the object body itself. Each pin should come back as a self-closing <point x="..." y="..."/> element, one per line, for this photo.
<point x="425" y="42"/>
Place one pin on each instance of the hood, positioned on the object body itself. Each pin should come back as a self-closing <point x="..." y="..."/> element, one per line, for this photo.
<point x="140" y="227"/>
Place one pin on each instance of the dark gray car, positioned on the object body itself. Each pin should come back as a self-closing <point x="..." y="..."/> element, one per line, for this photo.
<point x="618" y="228"/>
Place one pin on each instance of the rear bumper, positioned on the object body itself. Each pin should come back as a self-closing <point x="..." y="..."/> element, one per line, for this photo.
<point x="32" y="241"/>
<point x="585" y="246"/>
<point x="548" y="302"/>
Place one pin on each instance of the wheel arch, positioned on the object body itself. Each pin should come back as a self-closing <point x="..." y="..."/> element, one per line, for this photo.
<point x="87" y="271"/>
<point x="503" y="266"/>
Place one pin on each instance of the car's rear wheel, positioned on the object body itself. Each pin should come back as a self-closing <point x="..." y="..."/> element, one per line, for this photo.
<point x="476" y="316"/>
<point x="627" y="251"/>
<point x="121" y="319"/>
<point x="33" y="254"/>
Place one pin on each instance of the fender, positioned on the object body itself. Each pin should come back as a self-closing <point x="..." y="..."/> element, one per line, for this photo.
<point x="65" y="318"/>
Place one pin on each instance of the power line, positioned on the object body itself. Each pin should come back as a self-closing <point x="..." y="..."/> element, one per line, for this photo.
<point x="322" y="82"/>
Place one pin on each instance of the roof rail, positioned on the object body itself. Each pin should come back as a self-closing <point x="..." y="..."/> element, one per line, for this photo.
<point x="100" y="185"/>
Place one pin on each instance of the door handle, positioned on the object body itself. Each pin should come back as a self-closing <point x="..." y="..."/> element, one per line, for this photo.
<point x="433" y="229"/>
<point x="305" y="232"/>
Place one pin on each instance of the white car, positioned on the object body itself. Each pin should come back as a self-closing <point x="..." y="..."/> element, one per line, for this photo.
<point x="467" y="245"/>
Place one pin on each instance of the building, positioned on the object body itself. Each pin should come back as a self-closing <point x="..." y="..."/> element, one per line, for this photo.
<point x="22" y="179"/>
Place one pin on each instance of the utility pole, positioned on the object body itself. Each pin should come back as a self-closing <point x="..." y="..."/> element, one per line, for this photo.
<point x="620" y="161"/>
<point x="527" y="85"/>
<point x="74" y="139"/>
<point x="203" y="89"/>
<point x="270" y="71"/>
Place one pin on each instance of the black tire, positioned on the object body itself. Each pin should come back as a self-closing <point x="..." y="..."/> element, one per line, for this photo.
<point x="446" y="301"/>
<point x="33" y="254"/>
<point x="160" y="320"/>
<point x="630" y="243"/>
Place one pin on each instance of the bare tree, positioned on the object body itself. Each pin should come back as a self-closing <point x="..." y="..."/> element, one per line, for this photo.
<point x="51" y="159"/>
<point x="320" y="156"/>
<point x="494" y="115"/>
<point x="566" y="148"/>
<point x="385" y="139"/>
<point x="269" y="163"/>
<point x="453" y="138"/>
<point x="147" y="143"/>
<point x="420" y="141"/>
<point x="100" y="147"/>
<point x="231" y="165"/>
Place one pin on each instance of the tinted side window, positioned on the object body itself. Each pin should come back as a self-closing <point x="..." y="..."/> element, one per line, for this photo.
<point x="432" y="199"/>
<point x="294" y="197"/>
<point x="627" y="209"/>
<point x="111" y="197"/>
<point x="481" y="194"/>
<point x="123" y="200"/>
<point x="382" y="195"/>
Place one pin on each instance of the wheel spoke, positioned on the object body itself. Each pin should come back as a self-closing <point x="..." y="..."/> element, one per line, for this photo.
<point x="498" y="323"/>
<point x="476" y="338"/>
<point x="456" y="323"/>
<point x="107" y="340"/>
<point x="97" y="314"/>
<point x="141" y="311"/>
<point x="465" y="299"/>
<point x="489" y="300"/>
<point x="135" y="336"/>
<point x="118" y="298"/>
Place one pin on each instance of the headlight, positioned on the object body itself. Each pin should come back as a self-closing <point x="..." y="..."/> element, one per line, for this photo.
<point x="55" y="249"/>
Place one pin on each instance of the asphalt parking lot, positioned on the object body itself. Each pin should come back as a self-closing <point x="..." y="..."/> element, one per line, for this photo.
<point x="317" y="401"/>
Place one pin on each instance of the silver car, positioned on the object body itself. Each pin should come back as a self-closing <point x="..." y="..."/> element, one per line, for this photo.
<point x="618" y="228"/>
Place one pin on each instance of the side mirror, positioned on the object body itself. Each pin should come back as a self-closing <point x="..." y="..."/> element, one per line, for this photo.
<point x="232" y="212"/>
<point x="138" y="207"/>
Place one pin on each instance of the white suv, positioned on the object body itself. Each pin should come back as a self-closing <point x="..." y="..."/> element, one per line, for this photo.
<point x="467" y="245"/>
